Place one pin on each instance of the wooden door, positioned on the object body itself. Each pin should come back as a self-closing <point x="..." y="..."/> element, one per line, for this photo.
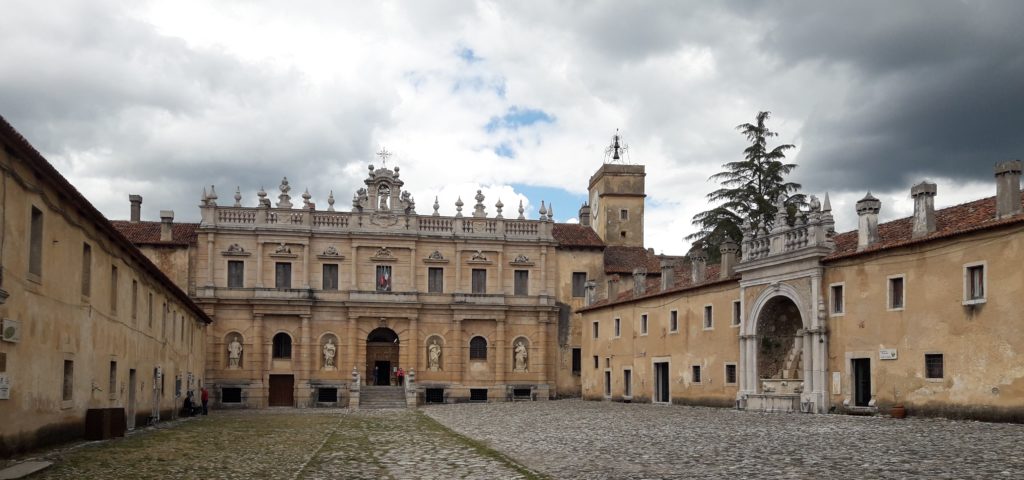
<point x="282" y="391"/>
<point x="377" y="352"/>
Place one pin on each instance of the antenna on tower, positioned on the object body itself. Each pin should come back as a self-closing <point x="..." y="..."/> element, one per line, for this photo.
<point x="616" y="150"/>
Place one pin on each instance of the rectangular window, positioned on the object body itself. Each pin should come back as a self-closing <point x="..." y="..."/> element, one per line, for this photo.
<point x="618" y="327"/>
<point x="330" y="276"/>
<point x="112" y="383"/>
<point x="974" y="289"/>
<point x="596" y="330"/>
<point x="86" y="269"/>
<point x="435" y="280"/>
<point x="730" y="374"/>
<point x="236" y="273"/>
<point x="35" y="244"/>
<point x="896" y="293"/>
<point x="283" y="275"/>
<point x="522" y="282"/>
<point x="737" y="312"/>
<point x="623" y="214"/>
<point x="837" y="299"/>
<point x="696" y="374"/>
<point x="113" y="289"/>
<point x="627" y="383"/>
<point x="149" y="309"/>
<point x="135" y="299"/>
<point x="69" y="380"/>
<point x="673" y="321"/>
<point x="643" y="324"/>
<point x="597" y="362"/>
<point x="709" y="321"/>
<point x="479" y="280"/>
<point x="579" y="284"/>
<point x="933" y="365"/>
<point x="607" y="383"/>
<point x="577" y="361"/>
<point x="163" y="322"/>
<point x="383" y="278"/>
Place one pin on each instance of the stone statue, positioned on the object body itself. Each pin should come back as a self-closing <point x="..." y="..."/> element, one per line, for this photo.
<point x="434" y="357"/>
<point x="519" y="353"/>
<point x="283" y="248"/>
<point x="383" y="194"/>
<point x="329" y="351"/>
<point x="235" y="353"/>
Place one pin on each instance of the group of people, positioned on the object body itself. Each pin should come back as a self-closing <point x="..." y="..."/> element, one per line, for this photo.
<point x="191" y="408"/>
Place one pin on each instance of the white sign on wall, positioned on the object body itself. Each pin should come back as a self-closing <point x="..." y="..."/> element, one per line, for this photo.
<point x="5" y="387"/>
<point x="837" y="383"/>
<point x="887" y="354"/>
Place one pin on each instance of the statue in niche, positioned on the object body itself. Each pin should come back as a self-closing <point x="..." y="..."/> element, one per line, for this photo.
<point x="383" y="195"/>
<point x="235" y="353"/>
<point x="330" y="350"/>
<point x="434" y="356"/>
<point x="519" y="354"/>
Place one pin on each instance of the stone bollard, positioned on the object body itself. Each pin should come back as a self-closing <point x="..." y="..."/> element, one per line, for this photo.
<point x="353" y="390"/>
<point x="410" y="388"/>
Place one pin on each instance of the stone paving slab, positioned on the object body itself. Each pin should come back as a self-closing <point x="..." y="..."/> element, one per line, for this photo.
<point x="594" y="440"/>
<point x="288" y="444"/>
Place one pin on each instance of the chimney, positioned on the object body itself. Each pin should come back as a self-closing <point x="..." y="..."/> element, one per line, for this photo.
<point x="1008" y="188"/>
<point x="136" y="201"/>
<point x="639" y="281"/>
<point x="668" y="274"/>
<point x="590" y="287"/>
<point x="729" y="250"/>
<point x="585" y="215"/>
<point x="613" y="289"/>
<point x="867" y="223"/>
<point x="166" y="221"/>
<point x="924" y="209"/>
<point x="698" y="262"/>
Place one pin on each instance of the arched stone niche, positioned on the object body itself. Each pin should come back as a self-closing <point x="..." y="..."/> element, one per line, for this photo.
<point x="234" y="351"/>
<point x="435" y="353"/>
<point x="330" y="351"/>
<point x="521" y="354"/>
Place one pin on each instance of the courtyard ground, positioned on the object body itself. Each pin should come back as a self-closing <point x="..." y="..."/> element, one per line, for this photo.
<point x="560" y="439"/>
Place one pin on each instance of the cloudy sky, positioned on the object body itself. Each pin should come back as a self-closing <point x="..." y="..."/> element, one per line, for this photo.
<point x="519" y="99"/>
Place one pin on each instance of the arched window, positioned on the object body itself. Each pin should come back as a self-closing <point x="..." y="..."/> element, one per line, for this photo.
<point x="282" y="346"/>
<point x="478" y="348"/>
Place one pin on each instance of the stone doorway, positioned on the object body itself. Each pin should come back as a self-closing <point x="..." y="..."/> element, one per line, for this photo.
<point x="780" y="347"/>
<point x="282" y="391"/>
<point x="661" y="388"/>
<point x="861" y="382"/>
<point x="382" y="348"/>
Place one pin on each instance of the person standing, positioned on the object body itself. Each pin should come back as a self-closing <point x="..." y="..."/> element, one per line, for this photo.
<point x="401" y="375"/>
<point x="204" y="395"/>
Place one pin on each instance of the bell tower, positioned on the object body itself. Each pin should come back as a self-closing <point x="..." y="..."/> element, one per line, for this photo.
<point x="617" y="195"/>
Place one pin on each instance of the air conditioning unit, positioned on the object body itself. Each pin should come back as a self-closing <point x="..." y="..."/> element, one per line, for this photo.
<point x="10" y="330"/>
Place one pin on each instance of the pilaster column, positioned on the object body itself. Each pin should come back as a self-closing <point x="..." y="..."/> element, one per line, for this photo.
<point x="209" y="259"/>
<point x="543" y="270"/>
<point x="501" y="275"/>
<point x="412" y="270"/>
<point x="350" y="352"/>
<point x="543" y="341"/>
<point x="259" y="263"/>
<point x="352" y="272"/>
<point x="502" y="353"/>
<point x="458" y="270"/>
<point x="413" y="356"/>
<point x="742" y="366"/>
<point x="459" y="352"/>
<point x="305" y="350"/>
<point x="808" y="356"/>
<point x="305" y="262"/>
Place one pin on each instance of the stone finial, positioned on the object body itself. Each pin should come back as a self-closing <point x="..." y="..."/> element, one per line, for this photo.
<point x="639" y="281"/>
<point x="330" y="201"/>
<point x="521" y="210"/>
<point x="498" y="206"/>
<point x="781" y="214"/>
<point x="238" y="196"/>
<point x="551" y="212"/>
<point x="305" y="198"/>
<point x="263" y="200"/>
<point x="729" y="251"/>
<point x="668" y="274"/>
<point x="136" y="208"/>
<point x="698" y="263"/>
<point x="437" y="208"/>
<point x="543" y="211"/>
<point x="1008" y="188"/>
<point x="166" y="225"/>
<point x="867" y="223"/>
<point x="204" y="198"/>
<point x="584" y="214"/>
<point x="284" y="200"/>
<point x="924" y="208"/>
<point x="211" y="199"/>
<point x="827" y="222"/>
<point x="479" y="211"/>
<point x="458" y="207"/>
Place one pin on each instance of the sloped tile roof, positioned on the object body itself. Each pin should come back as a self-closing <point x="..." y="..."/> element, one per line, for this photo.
<point x="148" y="233"/>
<point x="683" y="282"/>
<point x="949" y="222"/>
<point x="574" y="235"/>
<point x="625" y="259"/>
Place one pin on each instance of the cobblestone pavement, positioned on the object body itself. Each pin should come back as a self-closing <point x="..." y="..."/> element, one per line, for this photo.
<point x="592" y="440"/>
<point x="287" y="444"/>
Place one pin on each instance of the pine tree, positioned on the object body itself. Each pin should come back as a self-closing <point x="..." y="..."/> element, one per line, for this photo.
<point x="748" y="191"/>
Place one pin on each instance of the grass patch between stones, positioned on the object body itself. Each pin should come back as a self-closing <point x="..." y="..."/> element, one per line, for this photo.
<point x="480" y="448"/>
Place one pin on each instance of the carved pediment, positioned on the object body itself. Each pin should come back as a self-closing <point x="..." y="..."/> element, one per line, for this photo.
<point x="283" y="250"/>
<point x="384" y="255"/>
<point x="479" y="257"/>
<point x="435" y="257"/>
<point x="235" y="250"/>
<point x="521" y="260"/>
<point x="331" y="253"/>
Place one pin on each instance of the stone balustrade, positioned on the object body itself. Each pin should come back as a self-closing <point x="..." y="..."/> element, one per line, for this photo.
<point x="812" y="228"/>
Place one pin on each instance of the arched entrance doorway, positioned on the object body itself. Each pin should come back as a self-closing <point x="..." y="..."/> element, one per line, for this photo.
<point x="779" y="347"/>
<point x="381" y="356"/>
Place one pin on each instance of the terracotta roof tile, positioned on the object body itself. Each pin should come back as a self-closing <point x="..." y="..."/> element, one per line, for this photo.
<point x="950" y="221"/>
<point x="574" y="235"/>
<point x="148" y="233"/>
<point x="625" y="259"/>
<point x="683" y="283"/>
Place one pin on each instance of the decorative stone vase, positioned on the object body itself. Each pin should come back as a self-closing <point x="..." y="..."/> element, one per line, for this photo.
<point x="898" y="411"/>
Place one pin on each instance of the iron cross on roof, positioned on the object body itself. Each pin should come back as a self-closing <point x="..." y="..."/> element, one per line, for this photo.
<point x="384" y="155"/>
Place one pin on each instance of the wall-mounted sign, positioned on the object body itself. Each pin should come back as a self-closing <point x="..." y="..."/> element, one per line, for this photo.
<point x="887" y="354"/>
<point x="5" y="387"/>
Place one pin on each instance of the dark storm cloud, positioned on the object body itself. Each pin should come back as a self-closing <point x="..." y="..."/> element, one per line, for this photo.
<point x="934" y="89"/>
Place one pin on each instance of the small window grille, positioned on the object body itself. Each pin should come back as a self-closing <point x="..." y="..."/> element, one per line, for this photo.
<point x="478" y="394"/>
<point x="696" y="374"/>
<point x="618" y="327"/>
<point x="933" y="367"/>
<point x="730" y="374"/>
